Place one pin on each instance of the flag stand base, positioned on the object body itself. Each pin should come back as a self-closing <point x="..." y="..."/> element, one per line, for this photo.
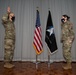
<point x="36" y="62"/>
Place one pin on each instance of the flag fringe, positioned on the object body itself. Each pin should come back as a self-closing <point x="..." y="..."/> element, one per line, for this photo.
<point x="37" y="51"/>
<point x="50" y="51"/>
<point x="53" y="52"/>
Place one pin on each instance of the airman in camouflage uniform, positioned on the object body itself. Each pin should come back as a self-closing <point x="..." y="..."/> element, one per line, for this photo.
<point x="9" y="40"/>
<point x="67" y="39"/>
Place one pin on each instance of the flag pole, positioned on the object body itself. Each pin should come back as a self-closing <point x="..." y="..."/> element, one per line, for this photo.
<point x="48" y="59"/>
<point x="48" y="49"/>
<point x="37" y="40"/>
<point x="36" y="57"/>
<point x="36" y="54"/>
<point x="36" y="61"/>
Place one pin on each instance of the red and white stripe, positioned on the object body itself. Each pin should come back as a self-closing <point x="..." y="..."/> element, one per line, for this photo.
<point x="38" y="40"/>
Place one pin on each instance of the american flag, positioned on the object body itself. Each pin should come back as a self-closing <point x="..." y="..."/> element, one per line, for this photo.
<point x="37" y="43"/>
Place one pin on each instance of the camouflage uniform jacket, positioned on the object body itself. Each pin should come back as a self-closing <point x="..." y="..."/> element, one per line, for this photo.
<point x="9" y="27"/>
<point x="67" y="31"/>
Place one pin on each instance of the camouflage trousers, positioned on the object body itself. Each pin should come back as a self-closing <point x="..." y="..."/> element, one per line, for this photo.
<point x="9" y="45"/>
<point x="67" y="50"/>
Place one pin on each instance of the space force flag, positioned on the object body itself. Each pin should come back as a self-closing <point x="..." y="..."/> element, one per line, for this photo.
<point x="50" y="38"/>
